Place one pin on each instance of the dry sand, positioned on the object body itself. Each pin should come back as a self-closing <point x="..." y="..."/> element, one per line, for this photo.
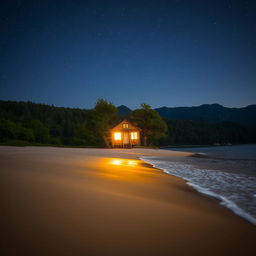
<point x="64" y="201"/>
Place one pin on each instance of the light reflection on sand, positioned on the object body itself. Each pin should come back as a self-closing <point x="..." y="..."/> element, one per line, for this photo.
<point x="125" y="169"/>
<point x="124" y="162"/>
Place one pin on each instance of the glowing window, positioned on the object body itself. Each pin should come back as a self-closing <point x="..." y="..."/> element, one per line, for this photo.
<point x="117" y="135"/>
<point x="125" y="126"/>
<point x="134" y="135"/>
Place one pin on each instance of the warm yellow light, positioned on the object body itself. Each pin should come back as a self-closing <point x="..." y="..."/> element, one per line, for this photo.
<point x="134" y="135"/>
<point x="117" y="135"/>
<point x="123" y="162"/>
<point x="131" y="163"/>
<point x="116" y="162"/>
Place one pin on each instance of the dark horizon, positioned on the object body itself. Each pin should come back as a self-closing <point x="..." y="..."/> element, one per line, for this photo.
<point x="138" y="106"/>
<point x="164" y="53"/>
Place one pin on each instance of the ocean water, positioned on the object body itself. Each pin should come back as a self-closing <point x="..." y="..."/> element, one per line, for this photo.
<point x="227" y="173"/>
<point x="227" y="152"/>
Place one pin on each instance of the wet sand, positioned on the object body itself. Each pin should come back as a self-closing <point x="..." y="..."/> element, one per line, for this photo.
<point x="65" y="201"/>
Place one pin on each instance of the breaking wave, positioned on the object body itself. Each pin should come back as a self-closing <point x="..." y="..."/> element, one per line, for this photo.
<point x="235" y="191"/>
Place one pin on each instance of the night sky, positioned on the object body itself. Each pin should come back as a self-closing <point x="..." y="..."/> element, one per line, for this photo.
<point x="164" y="53"/>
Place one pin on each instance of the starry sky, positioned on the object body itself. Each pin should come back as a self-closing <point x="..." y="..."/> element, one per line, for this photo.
<point x="164" y="53"/>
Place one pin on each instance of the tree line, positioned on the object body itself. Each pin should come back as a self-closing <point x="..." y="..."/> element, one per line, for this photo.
<point x="196" y="132"/>
<point x="27" y="123"/>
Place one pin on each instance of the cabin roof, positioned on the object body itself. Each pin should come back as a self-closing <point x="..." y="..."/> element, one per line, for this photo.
<point x="119" y="126"/>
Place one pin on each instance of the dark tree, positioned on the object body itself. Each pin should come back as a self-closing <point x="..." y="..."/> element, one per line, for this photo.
<point x="105" y="115"/>
<point x="41" y="132"/>
<point x="153" y="127"/>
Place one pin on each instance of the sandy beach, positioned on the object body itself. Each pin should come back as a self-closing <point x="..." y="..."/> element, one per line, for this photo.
<point x="66" y="201"/>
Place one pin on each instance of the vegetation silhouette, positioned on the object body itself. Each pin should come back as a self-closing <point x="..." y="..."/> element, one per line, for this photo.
<point x="27" y="123"/>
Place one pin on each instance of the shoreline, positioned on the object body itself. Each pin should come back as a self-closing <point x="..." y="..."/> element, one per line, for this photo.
<point x="107" y="202"/>
<point x="205" y="145"/>
<point x="223" y="201"/>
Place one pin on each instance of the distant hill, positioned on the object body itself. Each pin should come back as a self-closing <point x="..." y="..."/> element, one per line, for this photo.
<point x="205" y="112"/>
<point x="123" y="111"/>
<point x="211" y="112"/>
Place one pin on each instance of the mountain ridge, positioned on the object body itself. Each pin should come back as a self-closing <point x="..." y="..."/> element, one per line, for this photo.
<point x="208" y="112"/>
<point x="205" y="112"/>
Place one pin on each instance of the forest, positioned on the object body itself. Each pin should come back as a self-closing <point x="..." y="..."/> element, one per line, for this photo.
<point x="27" y="123"/>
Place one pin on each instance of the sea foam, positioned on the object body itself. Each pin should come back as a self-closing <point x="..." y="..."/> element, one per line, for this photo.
<point x="235" y="191"/>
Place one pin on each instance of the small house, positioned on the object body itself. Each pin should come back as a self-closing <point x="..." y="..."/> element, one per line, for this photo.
<point x="125" y="134"/>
